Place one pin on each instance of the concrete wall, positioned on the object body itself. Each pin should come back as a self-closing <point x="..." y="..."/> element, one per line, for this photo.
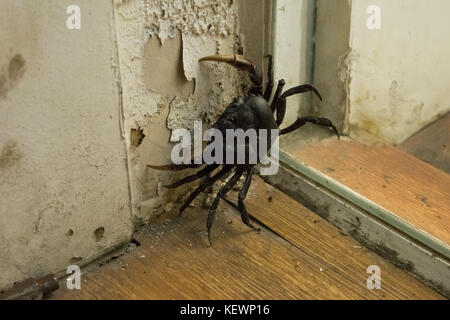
<point x="63" y="181"/>
<point x="332" y="34"/>
<point x="387" y="83"/>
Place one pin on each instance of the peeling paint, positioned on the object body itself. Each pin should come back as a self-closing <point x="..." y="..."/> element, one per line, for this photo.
<point x="136" y="137"/>
<point x="206" y="27"/>
<point x="345" y="65"/>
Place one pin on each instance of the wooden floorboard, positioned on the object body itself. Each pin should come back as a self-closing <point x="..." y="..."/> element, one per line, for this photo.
<point x="304" y="257"/>
<point x="399" y="182"/>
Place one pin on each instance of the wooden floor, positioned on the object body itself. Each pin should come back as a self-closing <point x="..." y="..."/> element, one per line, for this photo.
<point x="432" y="144"/>
<point x="297" y="255"/>
<point x="398" y="181"/>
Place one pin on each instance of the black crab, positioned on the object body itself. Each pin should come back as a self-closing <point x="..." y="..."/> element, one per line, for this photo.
<point x="250" y="112"/>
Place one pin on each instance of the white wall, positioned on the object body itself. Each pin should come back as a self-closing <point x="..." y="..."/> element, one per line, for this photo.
<point x="383" y="84"/>
<point x="400" y="73"/>
<point x="332" y="34"/>
<point x="293" y="49"/>
<point x="80" y="107"/>
<point x="62" y="162"/>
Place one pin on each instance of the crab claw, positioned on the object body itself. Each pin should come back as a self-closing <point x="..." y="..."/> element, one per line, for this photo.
<point x="234" y="60"/>
<point x="239" y="62"/>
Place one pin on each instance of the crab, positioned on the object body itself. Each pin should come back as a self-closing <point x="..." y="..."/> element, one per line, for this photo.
<point x="252" y="111"/>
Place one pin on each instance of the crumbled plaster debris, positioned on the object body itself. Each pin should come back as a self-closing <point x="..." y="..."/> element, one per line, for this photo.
<point x="130" y="247"/>
<point x="207" y="17"/>
<point x="345" y="64"/>
<point x="168" y="207"/>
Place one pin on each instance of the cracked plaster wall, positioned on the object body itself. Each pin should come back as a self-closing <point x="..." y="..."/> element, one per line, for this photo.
<point x="164" y="87"/>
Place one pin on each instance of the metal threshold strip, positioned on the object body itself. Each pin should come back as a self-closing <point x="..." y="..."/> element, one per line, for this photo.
<point x="367" y="205"/>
